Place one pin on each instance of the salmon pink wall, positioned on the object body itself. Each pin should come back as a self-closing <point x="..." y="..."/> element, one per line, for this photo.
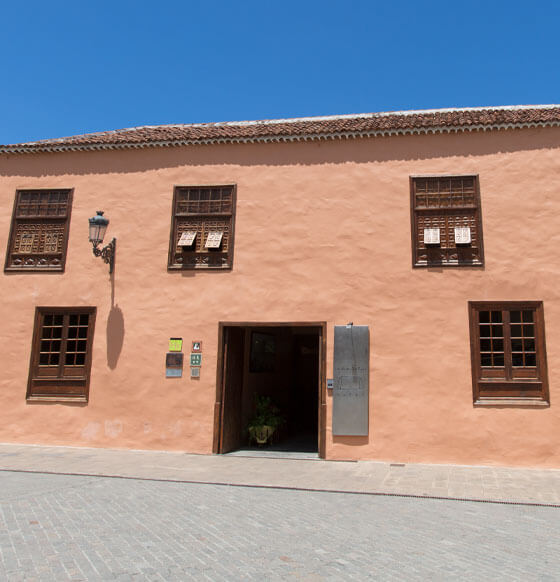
<point x="322" y="234"/>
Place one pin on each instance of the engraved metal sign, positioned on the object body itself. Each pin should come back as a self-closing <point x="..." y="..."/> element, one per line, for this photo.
<point x="214" y="239"/>
<point x="351" y="380"/>
<point x="174" y="360"/>
<point x="174" y="364"/>
<point x="462" y="235"/>
<point x="431" y="236"/>
<point x="195" y="372"/>
<point x="187" y="238"/>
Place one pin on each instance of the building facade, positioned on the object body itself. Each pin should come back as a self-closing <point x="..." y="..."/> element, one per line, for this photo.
<point x="240" y="249"/>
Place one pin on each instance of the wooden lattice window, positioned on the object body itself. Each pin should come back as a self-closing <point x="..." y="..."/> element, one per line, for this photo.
<point x="508" y="353"/>
<point x="202" y="227"/>
<point x="61" y="354"/>
<point x="446" y="223"/>
<point x="39" y="232"/>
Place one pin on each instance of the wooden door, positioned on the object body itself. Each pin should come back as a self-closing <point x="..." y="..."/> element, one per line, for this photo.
<point x="231" y="429"/>
<point x="322" y="412"/>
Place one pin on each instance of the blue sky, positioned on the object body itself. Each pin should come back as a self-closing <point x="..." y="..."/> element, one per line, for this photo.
<point x="79" y="66"/>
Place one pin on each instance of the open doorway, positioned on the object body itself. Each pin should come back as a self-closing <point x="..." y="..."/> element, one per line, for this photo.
<point x="282" y="363"/>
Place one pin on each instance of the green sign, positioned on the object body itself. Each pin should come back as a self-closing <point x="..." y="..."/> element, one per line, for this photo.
<point x="175" y="344"/>
<point x="196" y="359"/>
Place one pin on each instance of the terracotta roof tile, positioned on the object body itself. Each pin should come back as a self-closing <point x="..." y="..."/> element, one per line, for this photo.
<point x="310" y="128"/>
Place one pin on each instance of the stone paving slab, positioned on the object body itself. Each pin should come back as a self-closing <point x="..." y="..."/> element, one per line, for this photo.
<point x="500" y="484"/>
<point x="59" y="528"/>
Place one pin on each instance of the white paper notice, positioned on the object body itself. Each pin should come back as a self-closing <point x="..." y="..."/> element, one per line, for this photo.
<point x="462" y="235"/>
<point x="187" y="238"/>
<point x="214" y="239"/>
<point x="431" y="236"/>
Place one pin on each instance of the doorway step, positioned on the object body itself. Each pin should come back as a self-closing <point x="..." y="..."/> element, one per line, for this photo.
<point x="270" y="453"/>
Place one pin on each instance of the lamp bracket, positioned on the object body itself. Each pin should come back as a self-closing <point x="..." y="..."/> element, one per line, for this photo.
<point x="107" y="253"/>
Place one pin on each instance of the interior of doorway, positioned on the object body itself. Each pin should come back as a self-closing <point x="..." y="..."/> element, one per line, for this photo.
<point x="280" y="362"/>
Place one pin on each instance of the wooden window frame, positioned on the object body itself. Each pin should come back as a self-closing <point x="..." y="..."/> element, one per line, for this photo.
<point x="199" y="256"/>
<point x="61" y="387"/>
<point x="530" y="386"/>
<point x="475" y="209"/>
<point x="36" y="267"/>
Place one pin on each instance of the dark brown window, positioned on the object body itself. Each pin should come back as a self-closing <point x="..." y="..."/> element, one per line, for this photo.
<point x="446" y="225"/>
<point x="202" y="227"/>
<point x="508" y="353"/>
<point x="39" y="233"/>
<point x="61" y="353"/>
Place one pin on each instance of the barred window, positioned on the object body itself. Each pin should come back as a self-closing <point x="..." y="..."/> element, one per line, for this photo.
<point x="202" y="227"/>
<point x="446" y="223"/>
<point x="508" y="352"/>
<point x="61" y="354"/>
<point x="39" y="231"/>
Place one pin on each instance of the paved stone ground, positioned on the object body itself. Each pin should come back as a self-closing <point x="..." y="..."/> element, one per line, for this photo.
<point x="59" y="527"/>
<point x="450" y="481"/>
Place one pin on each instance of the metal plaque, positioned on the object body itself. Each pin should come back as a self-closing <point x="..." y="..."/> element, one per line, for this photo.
<point x="196" y="346"/>
<point x="196" y="359"/>
<point x="351" y="380"/>
<point x="173" y="372"/>
<point x="195" y="372"/>
<point x="174" y="360"/>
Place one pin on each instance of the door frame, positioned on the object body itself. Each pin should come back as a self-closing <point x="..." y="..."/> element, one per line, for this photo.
<point x="322" y="384"/>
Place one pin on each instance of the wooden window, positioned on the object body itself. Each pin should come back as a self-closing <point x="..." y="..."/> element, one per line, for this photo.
<point x="39" y="232"/>
<point x="202" y="227"/>
<point x="61" y="354"/>
<point x="446" y="224"/>
<point x="508" y="353"/>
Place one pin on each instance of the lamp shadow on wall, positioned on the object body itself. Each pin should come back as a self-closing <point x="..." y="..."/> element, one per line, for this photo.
<point x="115" y="329"/>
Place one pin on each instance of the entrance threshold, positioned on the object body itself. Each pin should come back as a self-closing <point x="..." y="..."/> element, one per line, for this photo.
<point x="257" y="453"/>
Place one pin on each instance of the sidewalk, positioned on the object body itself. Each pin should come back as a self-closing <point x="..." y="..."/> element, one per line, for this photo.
<point x="500" y="484"/>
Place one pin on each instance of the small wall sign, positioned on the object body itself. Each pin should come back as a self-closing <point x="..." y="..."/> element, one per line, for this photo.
<point x="195" y="372"/>
<point x="187" y="238"/>
<point x="196" y="359"/>
<point x="431" y="236"/>
<point x="174" y="359"/>
<point x="214" y="240"/>
<point x="174" y="364"/>
<point x="175" y="344"/>
<point x="196" y="346"/>
<point x="462" y="235"/>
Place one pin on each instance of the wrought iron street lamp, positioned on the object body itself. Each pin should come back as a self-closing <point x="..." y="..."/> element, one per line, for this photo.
<point x="97" y="227"/>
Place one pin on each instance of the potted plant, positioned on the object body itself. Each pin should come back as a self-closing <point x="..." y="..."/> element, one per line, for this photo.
<point x="266" y="421"/>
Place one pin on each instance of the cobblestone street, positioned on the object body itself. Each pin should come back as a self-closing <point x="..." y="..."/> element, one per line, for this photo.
<point x="59" y="527"/>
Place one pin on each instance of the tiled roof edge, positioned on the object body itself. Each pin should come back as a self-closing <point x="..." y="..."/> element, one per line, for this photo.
<point x="66" y="144"/>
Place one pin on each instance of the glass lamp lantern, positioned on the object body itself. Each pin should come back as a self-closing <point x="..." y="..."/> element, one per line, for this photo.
<point x="97" y="228"/>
